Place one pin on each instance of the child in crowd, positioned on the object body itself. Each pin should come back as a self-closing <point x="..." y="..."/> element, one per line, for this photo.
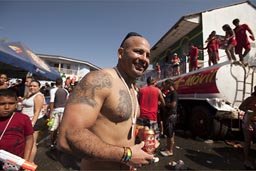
<point x="16" y="131"/>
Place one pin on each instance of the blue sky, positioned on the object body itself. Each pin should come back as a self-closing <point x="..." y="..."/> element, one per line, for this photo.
<point x="92" y="30"/>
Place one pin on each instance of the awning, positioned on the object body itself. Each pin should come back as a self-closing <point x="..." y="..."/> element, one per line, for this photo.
<point x="16" y="59"/>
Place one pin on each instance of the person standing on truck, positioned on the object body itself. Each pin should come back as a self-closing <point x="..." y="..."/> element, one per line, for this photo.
<point x="176" y="64"/>
<point x="242" y="39"/>
<point x="171" y="102"/>
<point x="193" y="57"/>
<point x="168" y="54"/>
<point x="249" y="126"/>
<point x="230" y="42"/>
<point x="212" y="48"/>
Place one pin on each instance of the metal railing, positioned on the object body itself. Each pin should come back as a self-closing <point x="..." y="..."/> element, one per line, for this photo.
<point x="66" y="71"/>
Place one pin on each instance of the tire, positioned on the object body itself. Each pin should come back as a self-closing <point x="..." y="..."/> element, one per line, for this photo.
<point x="181" y="118"/>
<point x="200" y="122"/>
<point x="218" y="130"/>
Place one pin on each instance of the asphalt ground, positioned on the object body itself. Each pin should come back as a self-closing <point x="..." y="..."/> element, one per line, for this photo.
<point x="196" y="153"/>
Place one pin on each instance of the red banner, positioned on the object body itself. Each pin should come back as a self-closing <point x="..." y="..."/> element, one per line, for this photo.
<point x="203" y="82"/>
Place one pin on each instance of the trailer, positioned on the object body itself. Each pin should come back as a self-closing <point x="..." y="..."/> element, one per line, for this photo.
<point x="209" y="98"/>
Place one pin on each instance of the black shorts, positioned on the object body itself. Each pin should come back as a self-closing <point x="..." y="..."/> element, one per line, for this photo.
<point x="161" y="114"/>
<point x="170" y="125"/>
<point x="176" y="65"/>
<point x="40" y="123"/>
<point x="146" y="122"/>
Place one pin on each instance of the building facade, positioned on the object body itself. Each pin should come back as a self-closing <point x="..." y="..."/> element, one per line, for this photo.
<point x="68" y="67"/>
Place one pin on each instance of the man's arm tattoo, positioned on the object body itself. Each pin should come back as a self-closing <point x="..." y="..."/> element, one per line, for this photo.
<point x="84" y="92"/>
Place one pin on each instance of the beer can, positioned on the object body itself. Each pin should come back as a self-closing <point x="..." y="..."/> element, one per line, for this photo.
<point x="149" y="141"/>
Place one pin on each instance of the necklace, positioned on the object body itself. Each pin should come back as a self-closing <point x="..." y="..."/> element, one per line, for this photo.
<point x="134" y="109"/>
<point x="6" y="126"/>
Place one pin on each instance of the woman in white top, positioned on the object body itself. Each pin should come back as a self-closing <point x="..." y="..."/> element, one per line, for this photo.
<point x="33" y="107"/>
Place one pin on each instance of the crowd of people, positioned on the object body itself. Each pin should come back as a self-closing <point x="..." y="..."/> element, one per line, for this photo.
<point x="235" y="41"/>
<point x="28" y="98"/>
<point x="102" y="117"/>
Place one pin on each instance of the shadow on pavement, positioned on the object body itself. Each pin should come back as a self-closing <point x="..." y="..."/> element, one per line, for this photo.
<point x="66" y="160"/>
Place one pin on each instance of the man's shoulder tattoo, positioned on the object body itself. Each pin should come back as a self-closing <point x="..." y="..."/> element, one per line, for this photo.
<point x="86" y="90"/>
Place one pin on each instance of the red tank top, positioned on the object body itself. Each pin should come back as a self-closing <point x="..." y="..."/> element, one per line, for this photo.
<point x="148" y="99"/>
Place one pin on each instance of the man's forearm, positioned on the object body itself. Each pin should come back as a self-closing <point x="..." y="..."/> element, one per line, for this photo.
<point x="87" y="145"/>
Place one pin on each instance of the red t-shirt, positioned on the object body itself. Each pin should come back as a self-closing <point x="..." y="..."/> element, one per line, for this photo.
<point x="148" y="99"/>
<point x="240" y="32"/>
<point x="15" y="135"/>
<point x="213" y="45"/>
<point x="193" y="53"/>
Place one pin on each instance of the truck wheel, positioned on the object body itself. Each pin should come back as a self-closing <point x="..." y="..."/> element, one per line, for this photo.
<point x="182" y="118"/>
<point x="219" y="130"/>
<point x="200" y="122"/>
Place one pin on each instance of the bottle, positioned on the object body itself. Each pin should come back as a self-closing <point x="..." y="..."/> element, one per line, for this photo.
<point x="19" y="107"/>
<point x="50" y="123"/>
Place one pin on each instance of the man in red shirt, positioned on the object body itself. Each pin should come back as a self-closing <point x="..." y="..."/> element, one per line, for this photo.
<point x="242" y="39"/>
<point x="193" y="54"/>
<point x="148" y="99"/>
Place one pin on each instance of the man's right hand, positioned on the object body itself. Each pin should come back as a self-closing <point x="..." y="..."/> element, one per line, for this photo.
<point x="139" y="157"/>
<point x="252" y="37"/>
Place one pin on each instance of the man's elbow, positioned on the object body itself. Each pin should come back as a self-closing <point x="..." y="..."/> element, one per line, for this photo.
<point x="62" y="144"/>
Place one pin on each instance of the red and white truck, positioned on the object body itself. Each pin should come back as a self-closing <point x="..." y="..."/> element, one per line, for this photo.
<point x="209" y="98"/>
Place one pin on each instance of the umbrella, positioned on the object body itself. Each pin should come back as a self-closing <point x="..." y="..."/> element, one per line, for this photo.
<point x="16" y="59"/>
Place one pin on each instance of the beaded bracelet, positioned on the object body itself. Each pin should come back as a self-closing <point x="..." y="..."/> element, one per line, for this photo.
<point x="127" y="155"/>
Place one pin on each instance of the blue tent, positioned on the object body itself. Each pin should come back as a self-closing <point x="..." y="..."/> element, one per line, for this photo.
<point x="16" y="59"/>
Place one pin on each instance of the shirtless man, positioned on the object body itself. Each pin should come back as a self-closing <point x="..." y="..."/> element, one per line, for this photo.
<point x="99" y="118"/>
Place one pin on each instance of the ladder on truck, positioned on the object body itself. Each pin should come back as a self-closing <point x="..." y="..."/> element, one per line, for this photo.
<point x="244" y="88"/>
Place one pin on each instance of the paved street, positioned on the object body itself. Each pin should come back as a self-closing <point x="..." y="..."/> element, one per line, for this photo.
<point x="196" y="154"/>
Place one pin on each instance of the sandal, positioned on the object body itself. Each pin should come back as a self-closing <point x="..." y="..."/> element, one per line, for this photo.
<point x="166" y="153"/>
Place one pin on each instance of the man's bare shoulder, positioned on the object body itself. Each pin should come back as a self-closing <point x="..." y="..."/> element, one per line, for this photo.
<point x="92" y="85"/>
